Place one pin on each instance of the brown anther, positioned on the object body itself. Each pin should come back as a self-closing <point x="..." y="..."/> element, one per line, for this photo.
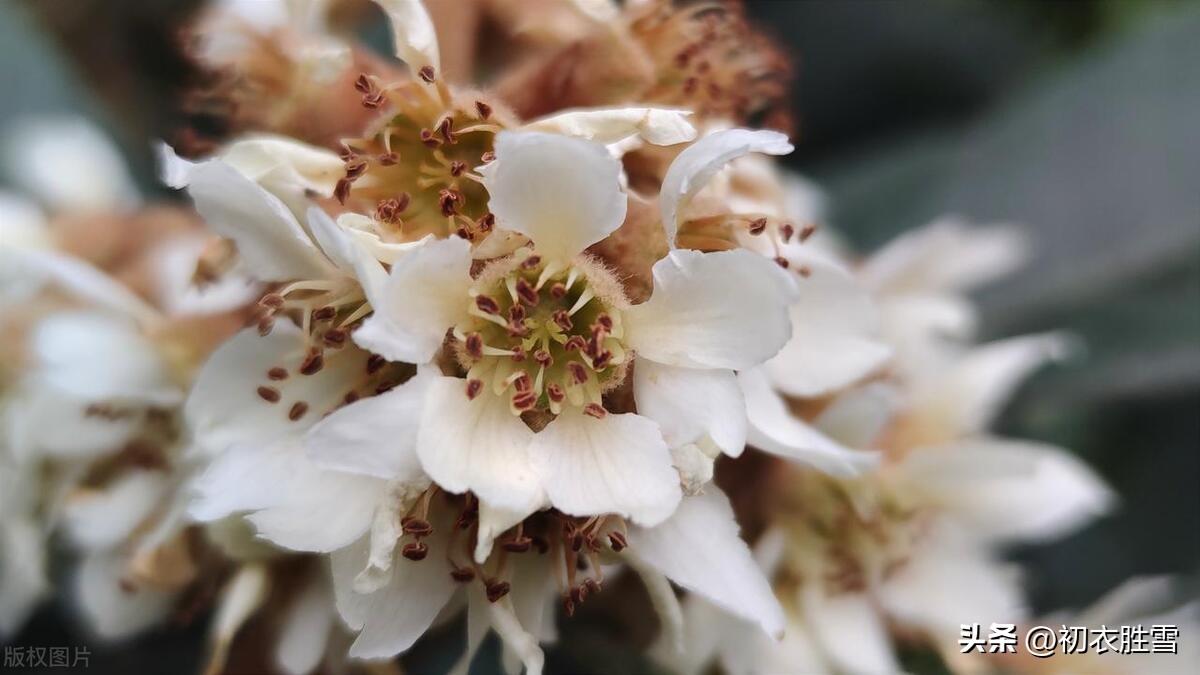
<point x="523" y="382"/>
<point x="268" y="394"/>
<point x="271" y="301"/>
<point x="575" y="343"/>
<point x="804" y="271"/>
<point x="297" y="411"/>
<point x="324" y="313"/>
<point x="807" y="231"/>
<point x="579" y="373"/>
<point x="265" y="326"/>
<point x="462" y="574"/>
<point x="578" y="595"/>
<point x="427" y="74"/>
<point x="786" y="231"/>
<point x="595" y="410"/>
<point x="558" y="290"/>
<point x="372" y="101"/>
<point x="758" y="225"/>
<point x="428" y="139"/>
<point x="364" y="84"/>
<point x="487" y="156"/>
<point x="782" y="262"/>
<point x="543" y="358"/>
<point x="524" y="400"/>
<point x="526" y="293"/>
<point x="374" y="363"/>
<point x="448" y="201"/>
<point x="563" y="320"/>
<point x="464" y="233"/>
<point x="690" y="85"/>
<point x="415" y="550"/>
<point x="497" y="589"/>
<point x="518" y="545"/>
<point x="604" y="321"/>
<point x="555" y="393"/>
<point x="446" y="129"/>
<point x="518" y="354"/>
<point x="516" y="313"/>
<point x="486" y="304"/>
<point x="355" y="168"/>
<point x="417" y="527"/>
<point x="486" y="223"/>
<point x="568" y="605"/>
<point x="277" y="373"/>
<point x="531" y="262"/>
<point x="334" y="337"/>
<point x="457" y="168"/>
<point x="617" y="541"/>
<point x="474" y="387"/>
<point x="341" y="191"/>
<point x="389" y="159"/>
<point x="474" y="345"/>
<point x="313" y="364"/>
<point x="593" y="587"/>
<point x="601" y="360"/>
<point x="484" y="110"/>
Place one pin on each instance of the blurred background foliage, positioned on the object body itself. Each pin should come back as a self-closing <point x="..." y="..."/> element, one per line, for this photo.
<point x="1076" y="119"/>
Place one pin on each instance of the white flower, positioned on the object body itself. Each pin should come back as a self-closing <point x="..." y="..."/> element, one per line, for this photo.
<point x="548" y="329"/>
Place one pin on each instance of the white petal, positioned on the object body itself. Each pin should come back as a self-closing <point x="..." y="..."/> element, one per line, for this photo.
<point x="362" y="229"/>
<point x="423" y="297"/>
<point x="395" y="616"/>
<point x="224" y="406"/>
<point x="23" y="583"/>
<point x="515" y="636"/>
<point x="76" y="277"/>
<point x="700" y="317"/>
<point x="690" y="404"/>
<point x="285" y="166"/>
<point x="478" y="445"/>
<point x="94" y="178"/>
<point x="834" y="333"/>
<point x="114" y="612"/>
<point x="242" y="596"/>
<point x="174" y="264"/>
<point x="774" y="429"/>
<point x="173" y="170"/>
<point x="43" y="421"/>
<point x="699" y="548"/>
<point x="965" y="398"/>
<point x="268" y="237"/>
<point x="563" y="193"/>
<point x="98" y="357"/>
<point x="949" y="582"/>
<point x="305" y="630"/>
<point x="351" y="257"/>
<point x="375" y="436"/>
<point x="696" y="165"/>
<point x="103" y="518"/>
<point x="947" y="255"/>
<point x="1012" y="489"/>
<point x="345" y="564"/>
<point x="294" y="502"/>
<point x="857" y="416"/>
<point x="493" y="522"/>
<point x="849" y="630"/>
<point x="320" y="511"/>
<point x="659" y="126"/>
<point x="413" y="36"/>
<point x="695" y="466"/>
<point x="619" y="464"/>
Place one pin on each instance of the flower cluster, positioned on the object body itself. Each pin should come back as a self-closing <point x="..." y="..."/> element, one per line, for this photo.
<point x="427" y="349"/>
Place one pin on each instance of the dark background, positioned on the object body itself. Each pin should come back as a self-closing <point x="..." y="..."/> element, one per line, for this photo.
<point x="1079" y="119"/>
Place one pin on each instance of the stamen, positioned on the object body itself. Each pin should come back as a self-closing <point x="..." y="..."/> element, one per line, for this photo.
<point x="277" y="373"/>
<point x="595" y="410"/>
<point x="415" y="550"/>
<point x="297" y="411"/>
<point x="268" y="394"/>
<point x="313" y="364"/>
